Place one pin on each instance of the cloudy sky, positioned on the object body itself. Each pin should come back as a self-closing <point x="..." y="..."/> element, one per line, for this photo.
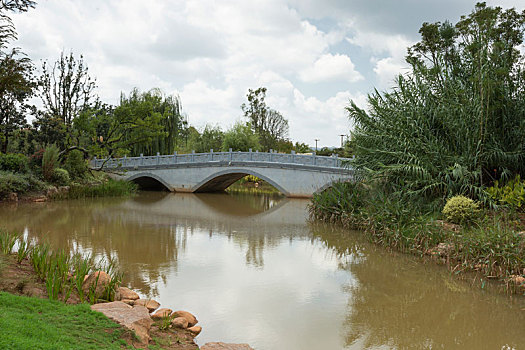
<point x="312" y="56"/>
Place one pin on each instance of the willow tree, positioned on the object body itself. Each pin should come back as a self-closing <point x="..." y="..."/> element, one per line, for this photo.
<point x="154" y="105"/>
<point x="456" y="121"/>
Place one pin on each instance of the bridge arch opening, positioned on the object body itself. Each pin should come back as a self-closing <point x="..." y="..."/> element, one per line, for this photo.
<point x="224" y="179"/>
<point x="150" y="182"/>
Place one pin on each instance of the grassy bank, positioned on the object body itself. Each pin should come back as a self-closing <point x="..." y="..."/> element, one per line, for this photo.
<point x="106" y="188"/>
<point x="493" y="244"/>
<point x="34" y="323"/>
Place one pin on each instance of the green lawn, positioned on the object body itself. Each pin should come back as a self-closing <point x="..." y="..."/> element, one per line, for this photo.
<point x="32" y="323"/>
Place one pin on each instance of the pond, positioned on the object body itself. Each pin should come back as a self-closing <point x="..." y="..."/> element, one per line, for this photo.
<point x="254" y="270"/>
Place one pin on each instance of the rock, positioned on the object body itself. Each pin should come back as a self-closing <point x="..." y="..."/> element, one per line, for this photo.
<point x="151" y="304"/>
<point x="128" y="301"/>
<point x="442" y="249"/>
<point x="224" y="346"/>
<point x="98" y="281"/>
<point x="12" y="197"/>
<point x="135" y="318"/>
<point x="51" y="191"/>
<point x="179" y="322"/>
<point x="125" y="293"/>
<point x="63" y="189"/>
<point x="161" y="313"/>
<point x="192" y="320"/>
<point x="40" y="199"/>
<point x="195" y="330"/>
<point x="85" y="278"/>
<point x="518" y="280"/>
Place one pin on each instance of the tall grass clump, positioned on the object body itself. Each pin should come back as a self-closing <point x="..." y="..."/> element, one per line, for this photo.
<point x="64" y="273"/>
<point x="109" y="188"/>
<point x="50" y="161"/>
<point x="7" y="241"/>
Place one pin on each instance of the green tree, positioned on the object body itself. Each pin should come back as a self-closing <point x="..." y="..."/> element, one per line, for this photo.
<point x="269" y="124"/>
<point x="16" y="80"/>
<point x="155" y="105"/>
<point x="211" y="138"/>
<point x="66" y="90"/>
<point x="456" y="121"/>
<point x="114" y="131"/>
<point x="240" y="138"/>
<point x="16" y="88"/>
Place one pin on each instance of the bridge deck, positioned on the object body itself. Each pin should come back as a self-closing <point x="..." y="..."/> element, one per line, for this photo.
<point x="327" y="163"/>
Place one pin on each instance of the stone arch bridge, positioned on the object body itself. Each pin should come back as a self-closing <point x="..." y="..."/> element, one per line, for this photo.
<point x="295" y="175"/>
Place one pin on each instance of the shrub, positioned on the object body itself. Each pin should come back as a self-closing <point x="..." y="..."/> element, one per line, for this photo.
<point x="35" y="161"/>
<point x="511" y="195"/>
<point x="16" y="163"/>
<point x="60" y="176"/>
<point x="20" y="183"/>
<point x="460" y="209"/>
<point x="76" y="165"/>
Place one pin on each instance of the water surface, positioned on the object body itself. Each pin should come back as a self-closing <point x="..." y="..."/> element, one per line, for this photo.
<point x="252" y="269"/>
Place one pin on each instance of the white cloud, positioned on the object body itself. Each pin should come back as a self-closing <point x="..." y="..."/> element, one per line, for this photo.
<point x="331" y="67"/>
<point x="213" y="52"/>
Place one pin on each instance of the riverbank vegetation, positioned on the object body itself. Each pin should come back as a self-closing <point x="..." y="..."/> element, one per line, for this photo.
<point x="452" y="126"/>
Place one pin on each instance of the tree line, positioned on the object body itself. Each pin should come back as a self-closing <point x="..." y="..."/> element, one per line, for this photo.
<point x="71" y="115"/>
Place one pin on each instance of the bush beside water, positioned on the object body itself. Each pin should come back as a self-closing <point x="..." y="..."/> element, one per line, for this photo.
<point x="109" y="188"/>
<point x="491" y="244"/>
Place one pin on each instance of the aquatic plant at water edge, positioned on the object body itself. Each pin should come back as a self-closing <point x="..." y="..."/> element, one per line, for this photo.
<point x="7" y="241"/>
<point x="109" y="188"/>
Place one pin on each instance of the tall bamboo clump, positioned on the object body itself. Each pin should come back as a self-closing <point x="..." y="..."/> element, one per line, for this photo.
<point x="456" y="121"/>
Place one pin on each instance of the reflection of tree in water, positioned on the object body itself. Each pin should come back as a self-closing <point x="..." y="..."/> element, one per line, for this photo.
<point x="400" y="302"/>
<point x="146" y="252"/>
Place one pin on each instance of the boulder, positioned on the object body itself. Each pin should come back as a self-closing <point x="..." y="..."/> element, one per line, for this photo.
<point x="51" y="191"/>
<point x="161" y="313"/>
<point x="442" y="249"/>
<point x="98" y="281"/>
<point x="12" y="197"/>
<point x="123" y="293"/>
<point x="134" y="318"/>
<point x="192" y="320"/>
<point x="225" y="346"/>
<point x="179" y="322"/>
<point x="195" y="330"/>
<point x="151" y="304"/>
<point x="128" y="301"/>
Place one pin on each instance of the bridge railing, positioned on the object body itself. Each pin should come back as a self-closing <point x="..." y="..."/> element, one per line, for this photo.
<point x="216" y="157"/>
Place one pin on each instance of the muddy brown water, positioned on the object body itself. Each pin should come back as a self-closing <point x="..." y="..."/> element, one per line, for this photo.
<point x="254" y="270"/>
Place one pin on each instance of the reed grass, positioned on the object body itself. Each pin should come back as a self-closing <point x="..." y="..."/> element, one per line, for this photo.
<point x="109" y="188"/>
<point x="62" y="272"/>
